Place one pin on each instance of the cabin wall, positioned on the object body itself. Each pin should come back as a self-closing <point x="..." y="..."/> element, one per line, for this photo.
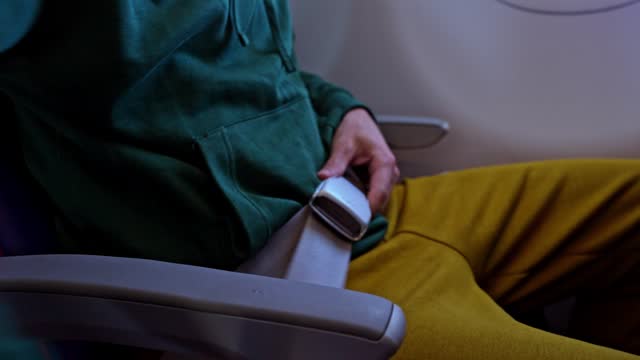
<point x="515" y="86"/>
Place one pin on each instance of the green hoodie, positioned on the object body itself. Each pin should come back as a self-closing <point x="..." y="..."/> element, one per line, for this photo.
<point x="177" y="130"/>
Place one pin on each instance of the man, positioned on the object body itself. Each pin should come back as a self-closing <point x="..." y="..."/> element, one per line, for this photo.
<point x="183" y="131"/>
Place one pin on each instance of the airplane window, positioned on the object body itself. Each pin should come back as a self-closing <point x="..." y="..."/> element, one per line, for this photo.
<point x="568" y="7"/>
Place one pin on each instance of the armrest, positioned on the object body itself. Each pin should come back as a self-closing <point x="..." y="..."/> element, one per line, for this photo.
<point x="194" y="310"/>
<point x="404" y="132"/>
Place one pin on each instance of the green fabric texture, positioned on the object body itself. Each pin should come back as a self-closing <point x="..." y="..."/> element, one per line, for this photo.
<point x="16" y="19"/>
<point x="177" y="130"/>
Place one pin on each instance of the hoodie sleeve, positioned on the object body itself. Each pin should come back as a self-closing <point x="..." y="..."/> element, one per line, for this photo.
<point x="330" y="103"/>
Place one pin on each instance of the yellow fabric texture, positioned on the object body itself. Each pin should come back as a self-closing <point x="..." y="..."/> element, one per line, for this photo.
<point x="463" y="246"/>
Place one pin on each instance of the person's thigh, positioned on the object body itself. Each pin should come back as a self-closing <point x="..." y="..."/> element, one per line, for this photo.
<point x="529" y="233"/>
<point x="448" y="315"/>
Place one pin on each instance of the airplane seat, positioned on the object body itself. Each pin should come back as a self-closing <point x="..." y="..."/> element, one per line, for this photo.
<point x="84" y="305"/>
<point x="78" y="303"/>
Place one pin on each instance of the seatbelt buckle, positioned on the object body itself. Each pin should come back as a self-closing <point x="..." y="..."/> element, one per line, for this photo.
<point x="342" y="206"/>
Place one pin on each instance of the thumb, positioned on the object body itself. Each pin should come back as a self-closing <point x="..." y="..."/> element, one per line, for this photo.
<point x="337" y="164"/>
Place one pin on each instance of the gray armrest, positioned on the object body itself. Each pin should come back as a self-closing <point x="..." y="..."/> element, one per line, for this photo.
<point x="188" y="309"/>
<point x="404" y="132"/>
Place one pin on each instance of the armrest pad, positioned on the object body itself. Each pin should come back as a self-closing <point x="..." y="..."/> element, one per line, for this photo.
<point x="98" y="296"/>
<point x="404" y="132"/>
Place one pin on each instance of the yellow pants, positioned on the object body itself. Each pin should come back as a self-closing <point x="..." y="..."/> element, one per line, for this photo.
<point x="461" y="247"/>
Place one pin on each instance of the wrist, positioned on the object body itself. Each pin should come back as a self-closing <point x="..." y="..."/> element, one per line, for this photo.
<point x="361" y="113"/>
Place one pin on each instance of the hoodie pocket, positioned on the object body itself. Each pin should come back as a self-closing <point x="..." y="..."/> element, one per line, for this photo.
<point x="266" y="166"/>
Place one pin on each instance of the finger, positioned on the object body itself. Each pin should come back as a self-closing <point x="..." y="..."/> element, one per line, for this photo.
<point x="382" y="179"/>
<point x="396" y="174"/>
<point x="340" y="158"/>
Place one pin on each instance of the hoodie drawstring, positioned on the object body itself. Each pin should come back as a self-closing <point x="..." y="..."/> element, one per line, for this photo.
<point x="277" y="37"/>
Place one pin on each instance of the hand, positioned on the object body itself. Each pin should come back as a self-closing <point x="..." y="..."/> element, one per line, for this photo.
<point x="359" y="142"/>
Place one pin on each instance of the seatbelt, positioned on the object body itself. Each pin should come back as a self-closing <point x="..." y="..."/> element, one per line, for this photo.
<point x="315" y="244"/>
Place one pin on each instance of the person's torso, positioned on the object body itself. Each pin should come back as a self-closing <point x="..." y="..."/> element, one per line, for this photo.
<point x="178" y="127"/>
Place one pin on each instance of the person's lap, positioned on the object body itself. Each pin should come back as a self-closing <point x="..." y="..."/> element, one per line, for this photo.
<point x="520" y="236"/>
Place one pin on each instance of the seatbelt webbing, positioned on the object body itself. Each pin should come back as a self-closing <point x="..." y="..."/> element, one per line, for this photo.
<point x="304" y="249"/>
<point x="321" y="257"/>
